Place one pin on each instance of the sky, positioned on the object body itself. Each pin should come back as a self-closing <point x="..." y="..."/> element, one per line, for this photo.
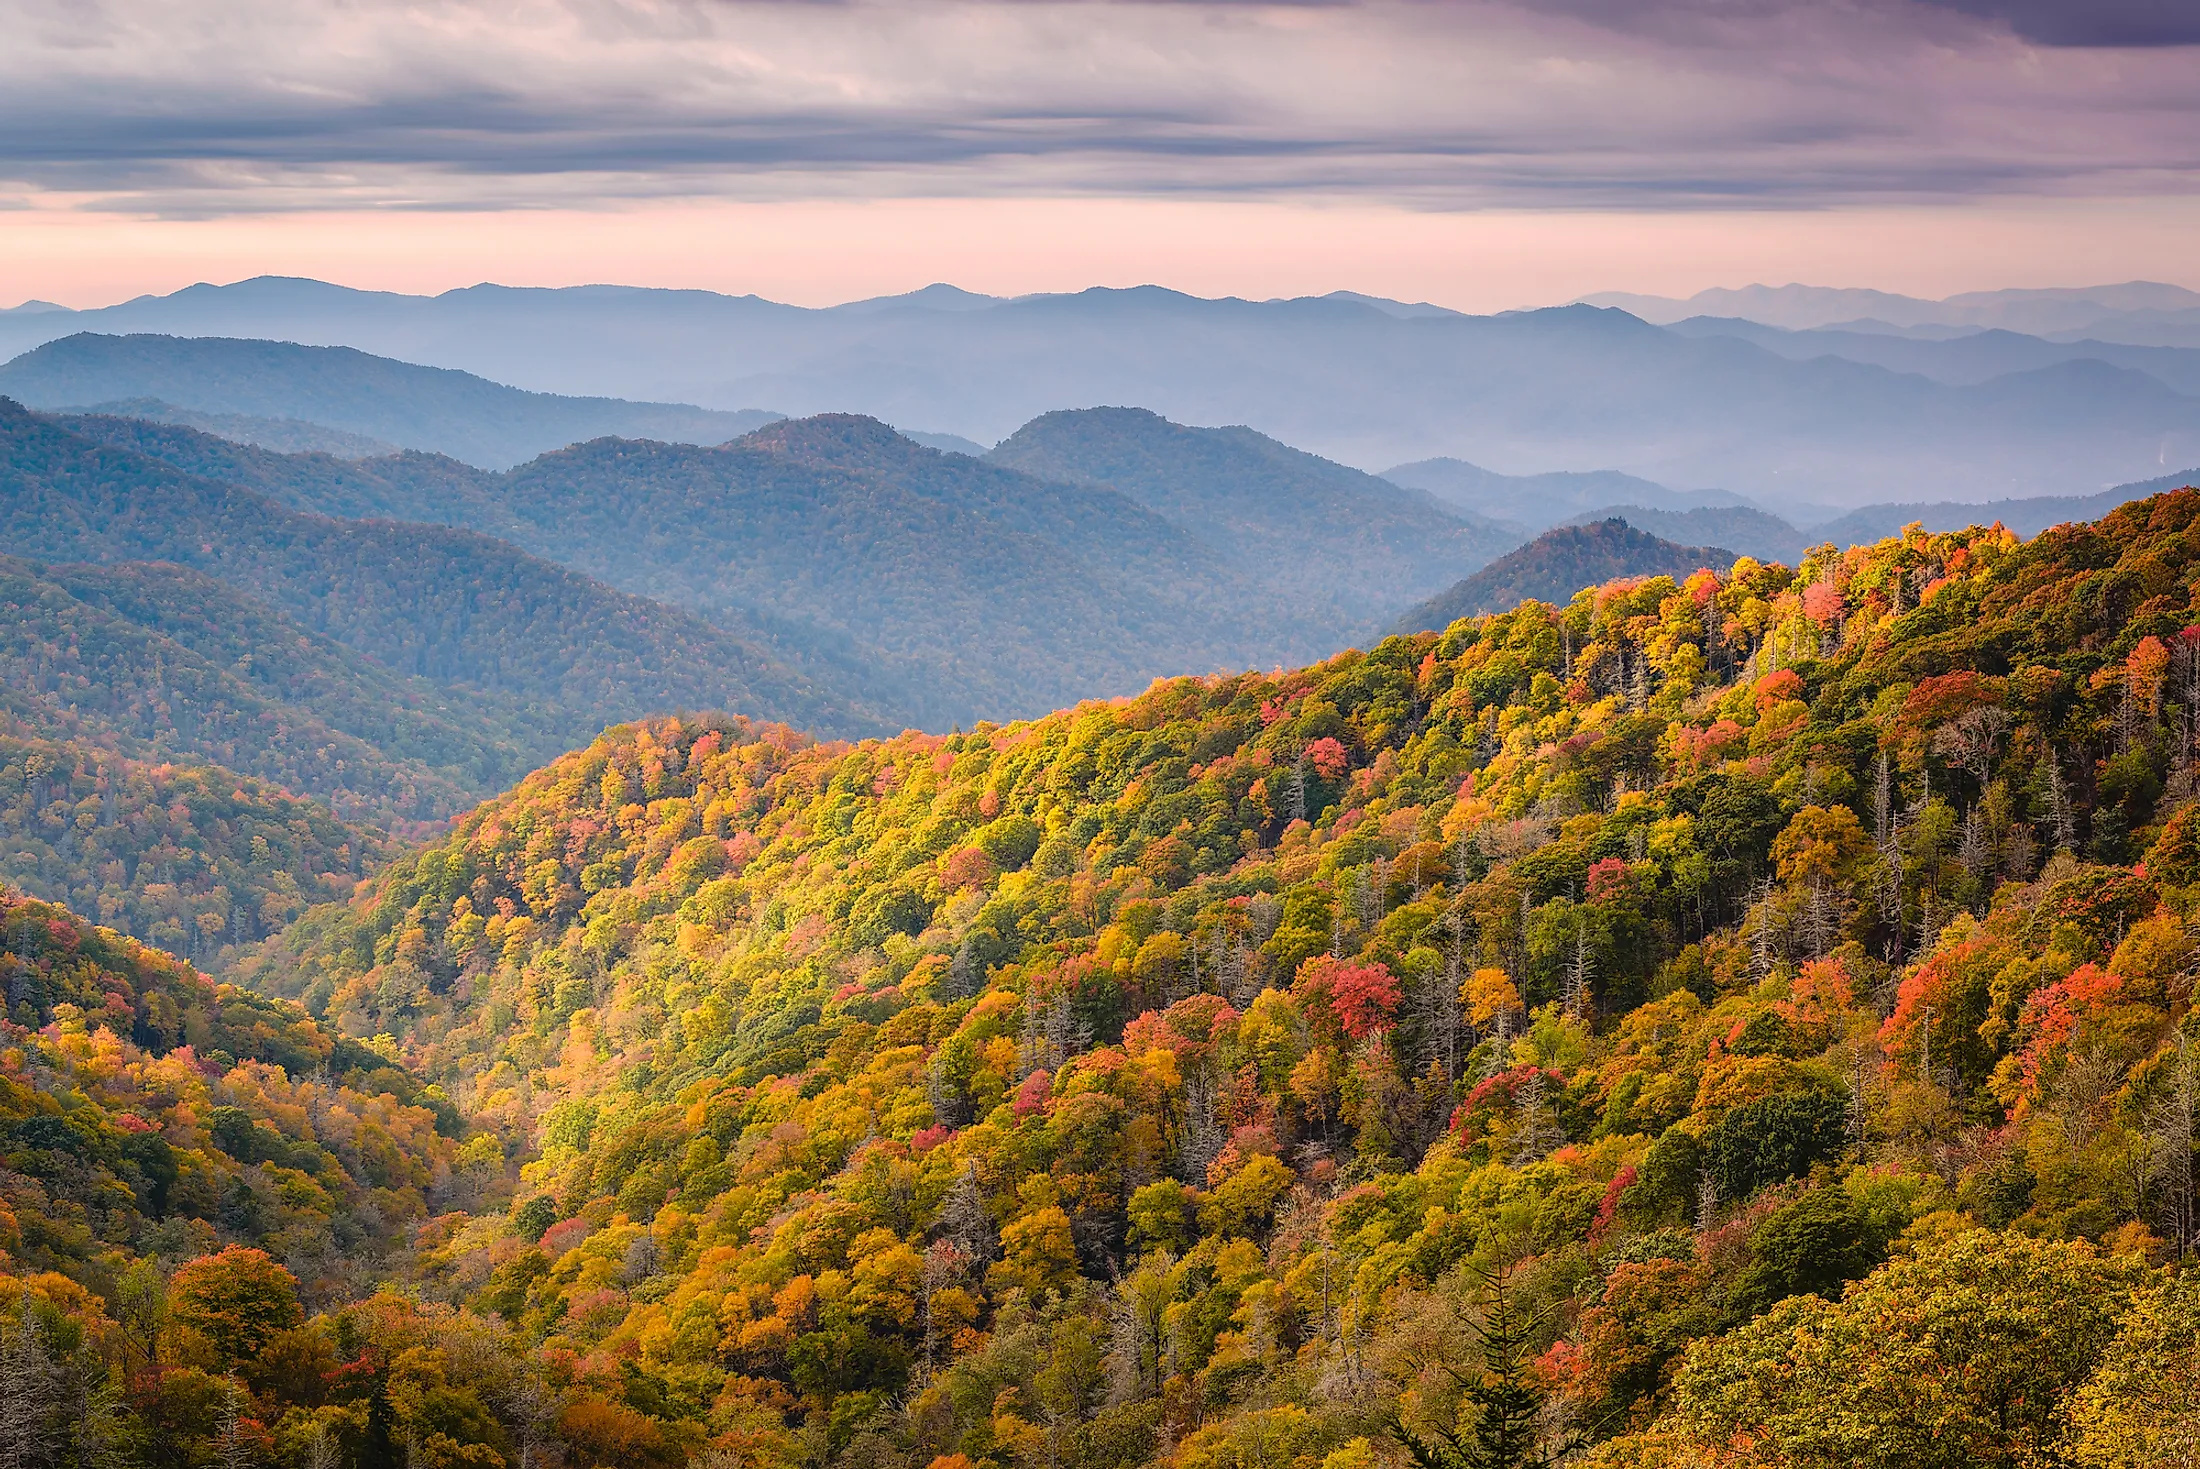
<point x="1480" y="155"/>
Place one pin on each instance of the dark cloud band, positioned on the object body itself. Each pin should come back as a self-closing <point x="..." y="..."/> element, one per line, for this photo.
<point x="204" y="106"/>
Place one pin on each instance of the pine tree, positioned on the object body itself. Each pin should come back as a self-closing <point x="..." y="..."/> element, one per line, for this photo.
<point x="1500" y="1419"/>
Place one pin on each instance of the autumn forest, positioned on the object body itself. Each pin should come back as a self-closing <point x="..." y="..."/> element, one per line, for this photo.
<point x="1740" y="1017"/>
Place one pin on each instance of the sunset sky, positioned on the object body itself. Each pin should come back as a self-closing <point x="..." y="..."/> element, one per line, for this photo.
<point x="1478" y="155"/>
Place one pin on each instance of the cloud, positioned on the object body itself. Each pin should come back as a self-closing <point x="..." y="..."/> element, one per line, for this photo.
<point x="194" y="107"/>
<point x="2093" y="22"/>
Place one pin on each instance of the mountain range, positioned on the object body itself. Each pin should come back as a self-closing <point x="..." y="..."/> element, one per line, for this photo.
<point x="563" y="653"/>
<point x="1349" y="378"/>
<point x="2140" y="313"/>
<point x="931" y="586"/>
<point x="1539" y="501"/>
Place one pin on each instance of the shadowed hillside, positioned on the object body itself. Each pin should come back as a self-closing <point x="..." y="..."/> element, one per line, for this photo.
<point x="1556" y="564"/>
<point x="1331" y="537"/>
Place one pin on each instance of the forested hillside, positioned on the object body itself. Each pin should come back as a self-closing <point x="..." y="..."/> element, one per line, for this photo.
<point x="1742" y="1021"/>
<point x="983" y="589"/>
<point x="1553" y="565"/>
<point x="196" y="753"/>
<point x="425" y="488"/>
<point x="285" y="435"/>
<point x="934" y="588"/>
<point x="451" y="606"/>
<point x="1751" y="532"/>
<point x="190" y="766"/>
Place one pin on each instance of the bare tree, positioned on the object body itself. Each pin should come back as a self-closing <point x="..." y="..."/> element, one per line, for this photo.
<point x="964" y="1219"/>
<point x="1138" y="1318"/>
<point x="944" y="1264"/>
<point x="2171" y="1139"/>
<point x="2058" y="805"/>
<point x="1971" y="740"/>
<point x="230" y="1446"/>
<point x="1538" y="1131"/>
<point x="29" y="1392"/>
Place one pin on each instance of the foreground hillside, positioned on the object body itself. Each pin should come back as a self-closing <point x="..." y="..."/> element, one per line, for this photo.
<point x="1424" y="1044"/>
<point x="1743" y="1022"/>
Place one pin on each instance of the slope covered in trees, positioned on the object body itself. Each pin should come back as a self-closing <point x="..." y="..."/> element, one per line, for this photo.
<point x="1746" y="531"/>
<point x="189" y="856"/>
<point x="429" y="489"/>
<point x="162" y="662"/>
<point x="985" y="589"/>
<point x="1556" y="564"/>
<point x="284" y="435"/>
<point x="1744" y="1020"/>
<point x="203" y="1190"/>
<point x="451" y="606"/>
<point x="933" y="586"/>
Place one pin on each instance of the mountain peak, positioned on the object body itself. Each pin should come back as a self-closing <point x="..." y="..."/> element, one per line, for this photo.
<point x="846" y="440"/>
<point x="1559" y="563"/>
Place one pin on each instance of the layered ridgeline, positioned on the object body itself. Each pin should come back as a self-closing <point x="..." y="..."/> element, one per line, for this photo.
<point x="1711" y="1022"/>
<point x="1332" y="539"/>
<point x="196" y="752"/>
<point x="1090" y="554"/>
<point x="270" y="391"/>
<point x="453" y="607"/>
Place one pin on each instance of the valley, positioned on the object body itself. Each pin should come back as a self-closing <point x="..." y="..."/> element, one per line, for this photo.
<point x="488" y="984"/>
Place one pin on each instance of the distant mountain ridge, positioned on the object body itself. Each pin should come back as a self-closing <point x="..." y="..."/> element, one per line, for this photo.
<point x="440" y="410"/>
<point x="1742" y="528"/>
<point x="2025" y="517"/>
<point x="935" y="585"/>
<point x="1354" y="380"/>
<point x="2038" y="311"/>
<point x="1557" y="564"/>
<point x="1539" y="501"/>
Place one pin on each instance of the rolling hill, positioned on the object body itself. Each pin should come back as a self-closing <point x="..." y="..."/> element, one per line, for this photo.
<point x="1555" y="565"/>
<point x="430" y="489"/>
<point x="162" y="663"/>
<point x="284" y="435"/>
<point x="1746" y="530"/>
<point x="427" y="408"/>
<point x="943" y="589"/>
<point x="1329" y="537"/>
<point x="450" y="606"/>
